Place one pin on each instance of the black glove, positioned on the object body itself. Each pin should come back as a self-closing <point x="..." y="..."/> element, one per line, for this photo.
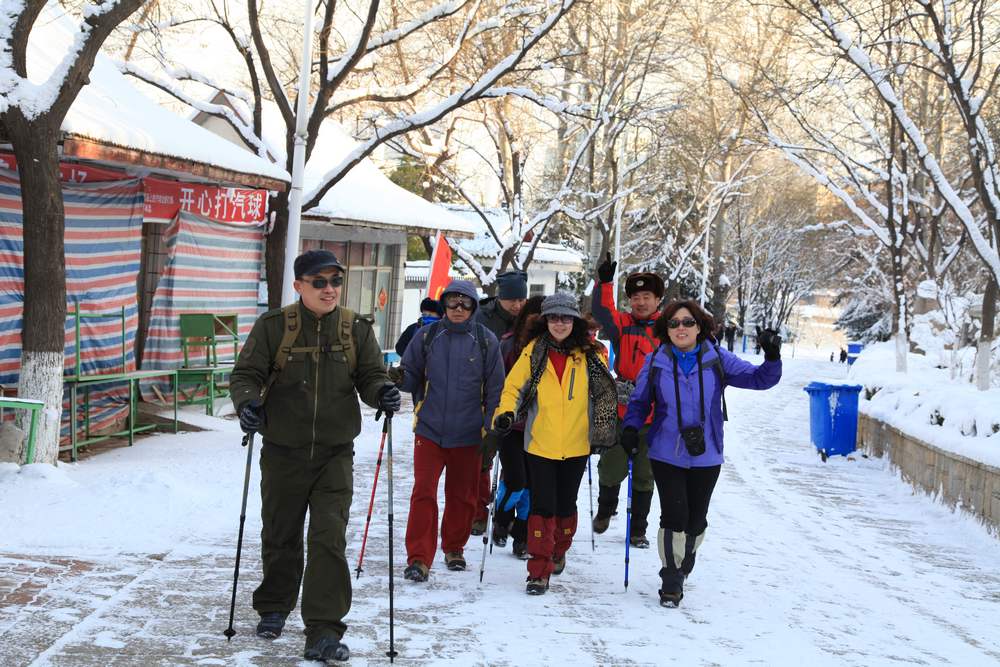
<point x="389" y="398"/>
<point x="503" y="423"/>
<point x="606" y="270"/>
<point x="395" y="374"/>
<point x="598" y="449"/>
<point x="630" y="441"/>
<point x="252" y="416"/>
<point x="489" y="447"/>
<point x="770" y="343"/>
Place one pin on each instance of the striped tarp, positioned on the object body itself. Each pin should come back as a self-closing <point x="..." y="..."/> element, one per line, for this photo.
<point x="212" y="267"/>
<point x="103" y="242"/>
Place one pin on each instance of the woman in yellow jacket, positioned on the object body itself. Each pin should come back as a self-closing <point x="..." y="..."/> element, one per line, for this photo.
<point x="561" y="387"/>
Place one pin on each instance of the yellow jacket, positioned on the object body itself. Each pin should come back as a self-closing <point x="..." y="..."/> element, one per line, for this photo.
<point x="558" y="424"/>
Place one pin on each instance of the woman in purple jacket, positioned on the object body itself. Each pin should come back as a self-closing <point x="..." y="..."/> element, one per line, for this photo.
<point x="682" y="382"/>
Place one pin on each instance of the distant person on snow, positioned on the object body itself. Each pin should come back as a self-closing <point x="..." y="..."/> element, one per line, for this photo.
<point x="682" y="383"/>
<point x="454" y="371"/>
<point x="631" y="336"/>
<point x="498" y="314"/>
<point x="430" y="312"/>
<point x="562" y="389"/>
<point x="297" y="382"/>
<point x="843" y="355"/>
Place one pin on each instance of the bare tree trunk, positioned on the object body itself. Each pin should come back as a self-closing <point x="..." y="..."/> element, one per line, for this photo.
<point x="43" y="334"/>
<point x="987" y="333"/>
<point x="274" y="253"/>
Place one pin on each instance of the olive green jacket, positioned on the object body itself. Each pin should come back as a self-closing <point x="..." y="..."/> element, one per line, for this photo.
<point x="314" y="400"/>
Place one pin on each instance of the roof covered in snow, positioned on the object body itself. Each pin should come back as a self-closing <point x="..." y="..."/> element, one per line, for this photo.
<point x="110" y="110"/>
<point x="553" y="255"/>
<point x="364" y="194"/>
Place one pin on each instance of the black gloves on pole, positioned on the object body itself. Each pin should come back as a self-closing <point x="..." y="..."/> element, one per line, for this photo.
<point x="389" y="398"/>
<point x="503" y="423"/>
<point x="606" y="269"/>
<point x="252" y="416"/>
<point x="770" y="343"/>
<point x="630" y="441"/>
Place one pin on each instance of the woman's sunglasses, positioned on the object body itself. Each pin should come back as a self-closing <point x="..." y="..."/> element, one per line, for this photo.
<point x="560" y="319"/>
<point x="321" y="283"/>
<point x="687" y="323"/>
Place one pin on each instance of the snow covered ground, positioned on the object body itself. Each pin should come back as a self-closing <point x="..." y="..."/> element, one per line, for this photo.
<point x="127" y="559"/>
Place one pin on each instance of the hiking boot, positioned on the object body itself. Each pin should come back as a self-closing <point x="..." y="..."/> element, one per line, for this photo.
<point x="499" y="535"/>
<point x="454" y="561"/>
<point x="326" y="648"/>
<point x="271" y="624"/>
<point x="520" y="549"/>
<point x="671" y="598"/>
<point x="559" y="564"/>
<point x="639" y="541"/>
<point x="416" y="571"/>
<point x="537" y="586"/>
<point x="479" y="527"/>
<point x="601" y="523"/>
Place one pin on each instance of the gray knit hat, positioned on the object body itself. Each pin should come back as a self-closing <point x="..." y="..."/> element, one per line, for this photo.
<point x="560" y="303"/>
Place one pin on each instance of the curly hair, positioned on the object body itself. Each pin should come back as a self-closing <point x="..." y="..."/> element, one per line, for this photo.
<point x="579" y="338"/>
<point x="706" y="322"/>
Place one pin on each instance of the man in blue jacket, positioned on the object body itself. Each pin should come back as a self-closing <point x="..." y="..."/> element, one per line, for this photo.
<point x="455" y="372"/>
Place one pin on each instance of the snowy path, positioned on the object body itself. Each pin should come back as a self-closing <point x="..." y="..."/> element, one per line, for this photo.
<point x="804" y="562"/>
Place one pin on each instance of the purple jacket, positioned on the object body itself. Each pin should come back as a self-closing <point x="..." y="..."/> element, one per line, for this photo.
<point x="452" y="402"/>
<point x="664" y="438"/>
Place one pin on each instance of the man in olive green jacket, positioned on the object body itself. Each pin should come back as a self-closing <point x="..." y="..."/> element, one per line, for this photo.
<point x="297" y="382"/>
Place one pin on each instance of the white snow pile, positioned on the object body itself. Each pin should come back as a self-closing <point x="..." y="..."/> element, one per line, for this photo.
<point x="927" y="403"/>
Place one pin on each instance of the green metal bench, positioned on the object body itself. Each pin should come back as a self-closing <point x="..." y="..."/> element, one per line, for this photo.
<point x="34" y="407"/>
<point x="203" y="378"/>
<point x="78" y="380"/>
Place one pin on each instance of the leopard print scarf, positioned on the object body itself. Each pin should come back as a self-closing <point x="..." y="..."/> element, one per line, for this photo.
<point x="603" y="394"/>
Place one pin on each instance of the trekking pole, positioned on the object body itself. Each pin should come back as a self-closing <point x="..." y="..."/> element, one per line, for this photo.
<point x="371" y="502"/>
<point x="248" y="443"/>
<point x="628" y="522"/>
<point x="493" y="510"/>
<point x="391" y="653"/>
<point x="590" y="487"/>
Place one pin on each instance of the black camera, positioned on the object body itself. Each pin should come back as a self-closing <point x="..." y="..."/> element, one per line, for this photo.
<point x="694" y="440"/>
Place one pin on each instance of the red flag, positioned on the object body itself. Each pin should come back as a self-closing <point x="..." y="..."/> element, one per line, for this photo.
<point x="439" y="276"/>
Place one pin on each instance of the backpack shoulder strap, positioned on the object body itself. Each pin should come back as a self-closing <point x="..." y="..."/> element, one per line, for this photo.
<point x="345" y="334"/>
<point x="290" y="331"/>
<point x="720" y="369"/>
<point x="429" y="335"/>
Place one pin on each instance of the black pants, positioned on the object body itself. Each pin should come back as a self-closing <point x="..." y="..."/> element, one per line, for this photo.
<point x="555" y="484"/>
<point x="684" y="496"/>
<point x="512" y="458"/>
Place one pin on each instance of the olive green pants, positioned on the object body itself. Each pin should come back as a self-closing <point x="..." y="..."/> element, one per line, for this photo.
<point x="612" y="469"/>
<point x="291" y="482"/>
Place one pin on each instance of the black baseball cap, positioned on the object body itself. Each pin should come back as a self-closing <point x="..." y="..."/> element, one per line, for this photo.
<point x="312" y="262"/>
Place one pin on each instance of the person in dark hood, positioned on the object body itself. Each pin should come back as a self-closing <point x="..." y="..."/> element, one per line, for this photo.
<point x="455" y="372"/>
<point x="498" y="314"/>
<point x="430" y="312"/>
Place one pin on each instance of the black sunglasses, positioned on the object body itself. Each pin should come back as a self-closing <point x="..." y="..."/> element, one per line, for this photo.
<point x="687" y="323"/>
<point x="321" y="283"/>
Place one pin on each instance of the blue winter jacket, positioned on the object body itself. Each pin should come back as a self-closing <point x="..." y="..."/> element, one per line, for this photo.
<point x="664" y="438"/>
<point x="452" y="402"/>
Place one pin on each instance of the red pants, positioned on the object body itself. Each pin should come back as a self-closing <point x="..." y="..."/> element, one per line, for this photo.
<point x="485" y="495"/>
<point x="461" y="484"/>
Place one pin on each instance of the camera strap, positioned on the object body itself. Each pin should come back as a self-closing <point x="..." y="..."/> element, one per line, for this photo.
<point x="677" y="390"/>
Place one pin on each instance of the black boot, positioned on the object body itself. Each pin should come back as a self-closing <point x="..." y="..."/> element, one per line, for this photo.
<point x="691" y="544"/>
<point x="501" y="528"/>
<point x="326" y="648"/>
<point x="607" y="503"/>
<point x="519" y="537"/>
<point x="671" y="547"/>
<point x="640" y="512"/>
<point x="271" y="624"/>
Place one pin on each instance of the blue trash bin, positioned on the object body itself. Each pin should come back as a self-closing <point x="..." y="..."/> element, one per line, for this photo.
<point x="853" y="350"/>
<point x="833" y="417"/>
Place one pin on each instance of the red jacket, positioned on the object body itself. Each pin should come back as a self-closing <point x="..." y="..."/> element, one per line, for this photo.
<point x="631" y="339"/>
